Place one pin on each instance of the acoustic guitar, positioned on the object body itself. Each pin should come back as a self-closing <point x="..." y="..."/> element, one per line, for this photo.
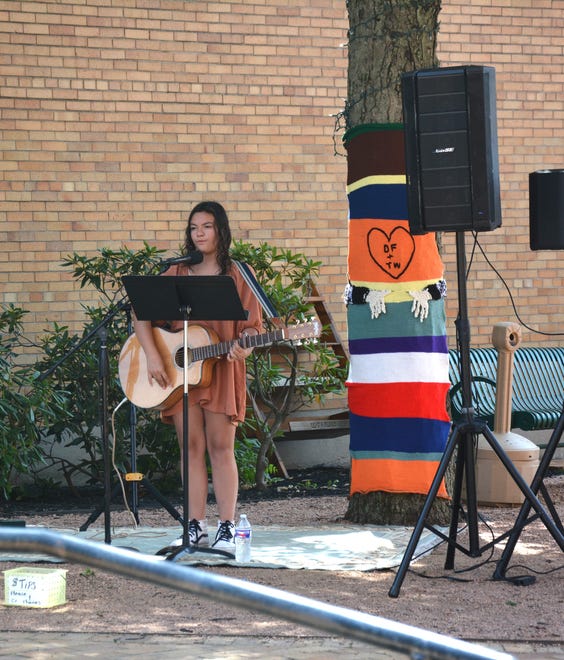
<point x="204" y="350"/>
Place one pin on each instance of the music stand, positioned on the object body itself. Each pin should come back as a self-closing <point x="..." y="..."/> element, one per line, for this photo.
<point x="184" y="298"/>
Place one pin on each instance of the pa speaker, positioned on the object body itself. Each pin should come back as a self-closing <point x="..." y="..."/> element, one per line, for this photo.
<point x="546" y="210"/>
<point x="452" y="167"/>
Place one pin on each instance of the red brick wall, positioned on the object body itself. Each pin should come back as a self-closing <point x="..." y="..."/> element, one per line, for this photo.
<point x="116" y="117"/>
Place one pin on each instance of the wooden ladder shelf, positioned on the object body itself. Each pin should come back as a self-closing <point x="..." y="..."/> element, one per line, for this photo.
<point x="330" y="335"/>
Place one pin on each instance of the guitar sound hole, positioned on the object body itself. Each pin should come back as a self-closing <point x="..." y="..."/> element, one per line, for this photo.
<point x="179" y="358"/>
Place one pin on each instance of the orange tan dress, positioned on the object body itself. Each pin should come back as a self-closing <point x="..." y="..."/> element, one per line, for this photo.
<point x="227" y="392"/>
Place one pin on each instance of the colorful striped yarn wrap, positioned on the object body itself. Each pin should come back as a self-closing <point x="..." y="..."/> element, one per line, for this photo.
<point x="398" y="375"/>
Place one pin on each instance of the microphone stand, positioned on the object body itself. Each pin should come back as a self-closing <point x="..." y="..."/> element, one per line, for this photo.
<point x="103" y="372"/>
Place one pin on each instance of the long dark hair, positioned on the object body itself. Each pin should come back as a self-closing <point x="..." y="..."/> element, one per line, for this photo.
<point x="223" y="232"/>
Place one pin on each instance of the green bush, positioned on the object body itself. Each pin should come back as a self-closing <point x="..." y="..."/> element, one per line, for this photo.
<point x="287" y="376"/>
<point x="281" y="379"/>
<point x="78" y="374"/>
<point x="27" y="404"/>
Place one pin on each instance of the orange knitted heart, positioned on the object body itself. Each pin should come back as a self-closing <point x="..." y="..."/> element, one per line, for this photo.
<point x="391" y="252"/>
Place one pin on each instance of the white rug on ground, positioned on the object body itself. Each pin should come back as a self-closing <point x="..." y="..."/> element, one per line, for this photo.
<point x="338" y="547"/>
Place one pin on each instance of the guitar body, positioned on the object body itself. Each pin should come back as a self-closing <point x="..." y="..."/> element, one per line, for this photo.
<point x="204" y="350"/>
<point x="133" y="374"/>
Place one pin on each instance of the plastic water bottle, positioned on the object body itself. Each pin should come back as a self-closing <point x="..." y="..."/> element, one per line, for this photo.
<point x="243" y="536"/>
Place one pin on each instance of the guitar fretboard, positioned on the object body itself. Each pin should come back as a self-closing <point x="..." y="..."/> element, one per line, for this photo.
<point x="222" y="348"/>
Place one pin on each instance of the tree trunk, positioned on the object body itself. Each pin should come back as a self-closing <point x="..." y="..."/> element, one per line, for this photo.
<point x="386" y="39"/>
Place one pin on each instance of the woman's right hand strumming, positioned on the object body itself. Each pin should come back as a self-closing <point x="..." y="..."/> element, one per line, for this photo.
<point x="156" y="371"/>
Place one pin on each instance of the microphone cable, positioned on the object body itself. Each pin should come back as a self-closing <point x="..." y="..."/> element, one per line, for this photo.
<point x="116" y="468"/>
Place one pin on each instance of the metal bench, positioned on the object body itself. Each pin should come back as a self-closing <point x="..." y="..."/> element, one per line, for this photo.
<point x="538" y="386"/>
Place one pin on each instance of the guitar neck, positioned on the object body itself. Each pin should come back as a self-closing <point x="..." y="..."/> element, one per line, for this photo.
<point x="223" y="347"/>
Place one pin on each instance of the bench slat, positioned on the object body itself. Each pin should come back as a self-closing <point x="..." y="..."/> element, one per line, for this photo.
<point x="538" y="385"/>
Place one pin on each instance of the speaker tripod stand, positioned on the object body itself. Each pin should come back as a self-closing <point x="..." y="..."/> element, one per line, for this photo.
<point x="463" y="437"/>
<point x="523" y="518"/>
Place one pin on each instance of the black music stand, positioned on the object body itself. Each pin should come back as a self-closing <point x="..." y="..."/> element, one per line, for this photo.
<point x="174" y="298"/>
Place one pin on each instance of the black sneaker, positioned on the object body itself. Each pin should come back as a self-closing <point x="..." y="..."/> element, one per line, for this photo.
<point x="198" y="533"/>
<point x="225" y="537"/>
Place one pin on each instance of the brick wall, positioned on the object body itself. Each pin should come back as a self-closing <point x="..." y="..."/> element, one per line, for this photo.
<point x="524" y="41"/>
<point x="116" y="117"/>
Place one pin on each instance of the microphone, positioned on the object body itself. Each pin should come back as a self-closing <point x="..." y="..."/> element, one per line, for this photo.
<point x="195" y="257"/>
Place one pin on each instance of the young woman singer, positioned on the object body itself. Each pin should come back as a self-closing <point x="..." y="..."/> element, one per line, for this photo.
<point x="216" y="410"/>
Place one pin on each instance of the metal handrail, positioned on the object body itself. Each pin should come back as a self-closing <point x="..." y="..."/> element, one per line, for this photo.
<point x="351" y="624"/>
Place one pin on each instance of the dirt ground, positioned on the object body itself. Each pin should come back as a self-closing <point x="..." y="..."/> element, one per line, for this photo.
<point x="465" y="602"/>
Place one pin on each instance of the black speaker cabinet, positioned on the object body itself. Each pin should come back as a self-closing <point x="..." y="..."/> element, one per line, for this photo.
<point x="451" y="153"/>
<point x="546" y="210"/>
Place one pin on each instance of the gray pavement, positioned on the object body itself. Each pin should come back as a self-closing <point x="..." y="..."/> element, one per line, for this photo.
<point x="41" y="645"/>
<point x="62" y="645"/>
